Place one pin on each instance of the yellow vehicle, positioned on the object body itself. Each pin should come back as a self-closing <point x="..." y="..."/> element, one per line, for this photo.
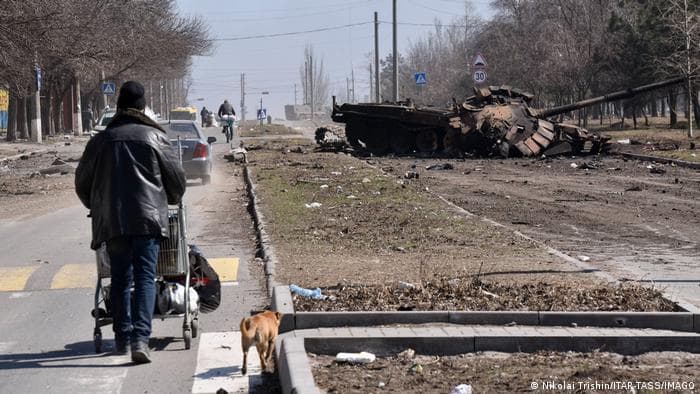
<point x="183" y="113"/>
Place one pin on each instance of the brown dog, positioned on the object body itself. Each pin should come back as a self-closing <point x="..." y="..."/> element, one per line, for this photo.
<point x="261" y="330"/>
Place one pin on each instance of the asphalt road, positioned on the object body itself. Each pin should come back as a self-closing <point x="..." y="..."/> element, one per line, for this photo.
<point x="47" y="282"/>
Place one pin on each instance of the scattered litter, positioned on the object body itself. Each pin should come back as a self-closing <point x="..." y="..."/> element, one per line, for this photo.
<point x="488" y="293"/>
<point x="352" y="197"/>
<point x="693" y="155"/>
<point x="323" y="187"/>
<point x="625" y="141"/>
<point x="416" y="368"/>
<point x="355" y="358"/>
<point x="462" y="389"/>
<point x="366" y="180"/>
<point x="336" y="173"/>
<point x="588" y="166"/>
<point x="574" y="165"/>
<point x="381" y="384"/>
<point x="313" y="205"/>
<point x="583" y="258"/>
<point x="407" y="354"/>
<point x="411" y="175"/>
<point x="307" y="293"/>
<point x="511" y="324"/>
<point x="338" y="189"/>
<point x="442" y="166"/>
<point x="406" y="285"/>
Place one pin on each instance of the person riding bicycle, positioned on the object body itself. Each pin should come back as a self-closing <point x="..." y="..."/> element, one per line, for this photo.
<point x="227" y="115"/>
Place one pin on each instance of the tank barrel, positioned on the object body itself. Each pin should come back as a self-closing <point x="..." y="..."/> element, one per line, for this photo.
<point x="619" y="95"/>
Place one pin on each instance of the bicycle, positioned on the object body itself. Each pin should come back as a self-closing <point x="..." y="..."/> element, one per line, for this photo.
<point x="228" y="126"/>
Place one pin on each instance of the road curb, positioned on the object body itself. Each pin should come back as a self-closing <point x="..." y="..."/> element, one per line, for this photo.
<point x="296" y="375"/>
<point x="663" y="160"/>
<point x="282" y="301"/>
<point x="265" y="248"/>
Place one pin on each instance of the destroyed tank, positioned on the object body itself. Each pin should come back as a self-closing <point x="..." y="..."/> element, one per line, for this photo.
<point x="495" y="121"/>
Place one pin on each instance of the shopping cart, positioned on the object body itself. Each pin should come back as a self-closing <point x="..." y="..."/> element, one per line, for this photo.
<point x="173" y="265"/>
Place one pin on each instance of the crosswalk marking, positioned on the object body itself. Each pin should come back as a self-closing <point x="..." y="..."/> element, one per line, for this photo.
<point x="15" y="278"/>
<point x="219" y="361"/>
<point x="84" y="275"/>
<point x="226" y="267"/>
<point x="73" y="276"/>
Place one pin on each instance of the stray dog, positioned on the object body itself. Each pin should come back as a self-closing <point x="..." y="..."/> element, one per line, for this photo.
<point x="261" y="330"/>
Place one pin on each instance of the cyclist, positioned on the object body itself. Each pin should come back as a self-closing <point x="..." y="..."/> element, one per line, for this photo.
<point x="227" y="115"/>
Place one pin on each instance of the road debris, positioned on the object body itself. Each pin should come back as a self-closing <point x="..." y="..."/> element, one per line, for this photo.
<point x="307" y="293"/>
<point x="355" y="358"/>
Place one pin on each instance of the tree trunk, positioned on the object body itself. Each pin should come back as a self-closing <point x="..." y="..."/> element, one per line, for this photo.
<point x="45" y="115"/>
<point x="22" y="126"/>
<point x="663" y="107"/>
<point x="57" y="116"/>
<point x="672" y="108"/>
<point x="654" y="109"/>
<point x="696" y="105"/>
<point x="646" y="118"/>
<point x="11" y="118"/>
<point x="634" y="116"/>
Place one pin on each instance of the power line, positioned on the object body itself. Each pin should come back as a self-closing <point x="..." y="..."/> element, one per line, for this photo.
<point x="292" y="33"/>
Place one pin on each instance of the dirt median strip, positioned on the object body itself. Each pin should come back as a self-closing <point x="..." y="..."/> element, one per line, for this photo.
<point x="336" y="220"/>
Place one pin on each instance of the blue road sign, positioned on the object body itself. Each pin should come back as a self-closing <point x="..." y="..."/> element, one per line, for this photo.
<point x="420" y="78"/>
<point x="109" y="88"/>
<point x="262" y="114"/>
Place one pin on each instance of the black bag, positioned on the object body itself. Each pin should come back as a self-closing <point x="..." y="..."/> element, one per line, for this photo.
<point x="206" y="281"/>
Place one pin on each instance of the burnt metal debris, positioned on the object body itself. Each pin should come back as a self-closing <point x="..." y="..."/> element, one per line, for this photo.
<point x="495" y="121"/>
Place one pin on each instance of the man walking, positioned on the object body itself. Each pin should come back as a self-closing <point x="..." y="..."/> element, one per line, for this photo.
<point x="127" y="176"/>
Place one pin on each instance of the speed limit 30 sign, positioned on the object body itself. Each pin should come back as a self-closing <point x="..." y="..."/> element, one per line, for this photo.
<point x="479" y="76"/>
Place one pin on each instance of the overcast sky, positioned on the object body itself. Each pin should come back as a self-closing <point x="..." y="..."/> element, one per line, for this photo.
<point x="272" y="64"/>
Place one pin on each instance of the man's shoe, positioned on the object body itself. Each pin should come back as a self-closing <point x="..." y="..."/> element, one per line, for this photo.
<point x="140" y="354"/>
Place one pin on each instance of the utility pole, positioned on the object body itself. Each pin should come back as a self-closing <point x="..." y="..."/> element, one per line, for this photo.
<point x="396" y="58"/>
<point x="306" y="82"/>
<point x="311" y="69"/>
<point x="242" y="97"/>
<point x="160" y="99"/>
<point x="35" y="129"/>
<point x="376" y="57"/>
<point x="371" y="82"/>
<point x="261" y="107"/>
<point x="352" y="76"/>
<point x="691" y="97"/>
<point x="295" y="94"/>
<point x="347" y="89"/>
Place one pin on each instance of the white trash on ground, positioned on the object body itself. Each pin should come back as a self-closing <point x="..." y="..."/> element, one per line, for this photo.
<point x="462" y="389"/>
<point x="355" y="358"/>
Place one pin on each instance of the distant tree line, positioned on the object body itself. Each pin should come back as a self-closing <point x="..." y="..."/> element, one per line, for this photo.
<point x="563" y="51"/>
<point x="78" y="44"/>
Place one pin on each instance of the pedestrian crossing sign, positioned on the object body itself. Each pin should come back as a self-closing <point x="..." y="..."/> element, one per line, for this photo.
<point x="109" y="88"/>
<point x="262" y="114"/>
<point x="420" y="78"/>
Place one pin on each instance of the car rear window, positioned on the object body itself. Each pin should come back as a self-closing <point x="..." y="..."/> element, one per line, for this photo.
<point x="106" y="119"/>
<point x="183" y="130"/>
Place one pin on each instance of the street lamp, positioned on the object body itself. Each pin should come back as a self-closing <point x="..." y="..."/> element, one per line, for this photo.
<point x="261" y="106"/>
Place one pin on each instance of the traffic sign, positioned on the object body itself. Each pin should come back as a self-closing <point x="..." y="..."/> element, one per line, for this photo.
<point x="420" y="78"/>
<point x="262" y="114"/>
<point x="109" y="88"/>
<point x="480" y="61"/>
<point x="479" y="76"/>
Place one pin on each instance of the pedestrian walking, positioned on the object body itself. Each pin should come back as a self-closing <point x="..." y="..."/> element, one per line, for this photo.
<point x="87" y="118"/>
<point x="127" y="176"/>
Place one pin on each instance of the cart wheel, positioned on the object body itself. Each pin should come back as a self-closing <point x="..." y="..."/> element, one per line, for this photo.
<point x="187" y="334"/>
<point x="97" y="339"/>
<point x="195" y="327"/>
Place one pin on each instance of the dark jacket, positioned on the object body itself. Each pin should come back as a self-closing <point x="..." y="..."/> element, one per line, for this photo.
<point x="127" y="176"/>
<point x="226" y="109"/>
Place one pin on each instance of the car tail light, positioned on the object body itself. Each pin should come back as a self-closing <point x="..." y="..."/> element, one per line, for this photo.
<point x="200" y="151"/>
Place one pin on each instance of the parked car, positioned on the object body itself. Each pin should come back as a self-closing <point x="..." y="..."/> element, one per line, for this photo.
<point x="103" y="121"/>
<point x="196" y="148"/>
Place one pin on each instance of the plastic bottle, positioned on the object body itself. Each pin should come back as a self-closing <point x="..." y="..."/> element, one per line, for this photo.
<point x="307" y="293"/>
<point x="355" y="358"/>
